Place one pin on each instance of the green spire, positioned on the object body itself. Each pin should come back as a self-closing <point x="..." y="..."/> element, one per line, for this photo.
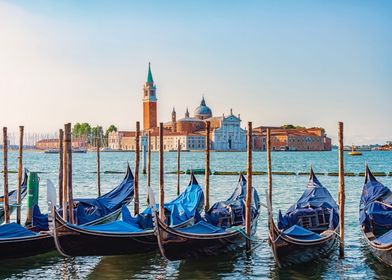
<point x="149" y="76"/>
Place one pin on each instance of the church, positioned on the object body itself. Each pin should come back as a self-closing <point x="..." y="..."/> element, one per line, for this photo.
<point x="226" y="131"/>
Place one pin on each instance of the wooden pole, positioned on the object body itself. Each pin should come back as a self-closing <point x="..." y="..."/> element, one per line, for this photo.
<point x="342" y="195"/>
<point x="207" y="168"/>
<point x="20" y="171"/>
<point x="68" y="139"/>
<point x="161" y="175"/>
<point x="65" y="178"/>
<point x="137" y="159"/>
<point x="144" y="152"/>
<point x="268" y="140"/>
<point x="248" y="201"/>
<point x="5" y="176"/>
<point x="178" y="165"/>
<point x="61" y="154"/>
<point x="149" y="160"/>
<point x="99" y="166"/>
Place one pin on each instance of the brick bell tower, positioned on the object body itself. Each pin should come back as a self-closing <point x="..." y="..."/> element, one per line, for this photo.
<point x="149" y="102"/>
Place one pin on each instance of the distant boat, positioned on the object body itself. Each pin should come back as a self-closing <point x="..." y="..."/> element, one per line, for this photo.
<point x="354" y="152"/>
<point x="52" y="151"/>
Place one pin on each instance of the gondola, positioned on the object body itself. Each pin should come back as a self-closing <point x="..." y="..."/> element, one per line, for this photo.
<point x="375" y="217"/>
<point x="221" y="229"/>
<point x="130" y="235"/>
<point x="308" y="230"/>
<point x="12" y="198"/>
<point x="17" y="241"/>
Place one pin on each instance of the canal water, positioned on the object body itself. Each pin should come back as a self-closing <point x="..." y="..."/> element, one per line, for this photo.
<point x="358" y="264"/>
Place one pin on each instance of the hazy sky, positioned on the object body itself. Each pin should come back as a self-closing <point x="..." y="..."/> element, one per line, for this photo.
<point x="311" y="63"/>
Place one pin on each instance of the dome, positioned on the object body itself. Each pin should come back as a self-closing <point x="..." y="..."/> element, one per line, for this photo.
<point x="203" y="111"/>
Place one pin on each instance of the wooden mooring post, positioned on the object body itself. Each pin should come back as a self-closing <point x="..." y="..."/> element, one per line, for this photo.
<point x="99" y="165"/>
<point x="178" y="165"/>
<point x="20" y="171"/>
<point x="137" y="160"/>
<point x="269" y="171"/>
<point x="144" y="152"/>
<point x="68" y="141"/>
<point x="5" y="176"/>
<point x="61" y="155"/>
<point x="149" y="160"/>
<point x="161" y="176"/>
<point x="342" y="195"/>
<point x="207" y="168"/>
<point x="248" y="201"/>
<point x="65" y="178"/>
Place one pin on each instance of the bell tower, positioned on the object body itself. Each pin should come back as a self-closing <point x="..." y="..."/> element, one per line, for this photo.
<point x="149" y="102"/>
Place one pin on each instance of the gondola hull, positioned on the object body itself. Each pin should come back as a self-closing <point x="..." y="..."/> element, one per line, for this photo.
<point x="25" y="247"/>
<point x="288" y="252"/>
<point x="176" y="245"/>
<point x="76" y="241"/>
<point x="381" y="252"/>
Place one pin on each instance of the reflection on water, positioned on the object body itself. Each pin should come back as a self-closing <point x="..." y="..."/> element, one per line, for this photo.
<point x="258" y="264"/>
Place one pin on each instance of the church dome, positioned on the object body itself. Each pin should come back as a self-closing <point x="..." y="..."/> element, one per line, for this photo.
<point x="203" y="111"/>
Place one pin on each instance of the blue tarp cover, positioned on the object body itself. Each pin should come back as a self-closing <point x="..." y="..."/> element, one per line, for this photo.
<point x="202" y="228"/>
<point x="40" y="221"/>
<point x="187" y="205"/>
<point x="89" y="210"/>
<point x="372" y="214"/>
<point x="116" y="226"/>
<point x="223" y="210"/>
<point x="314" y="198"/>
<point x="14" y="230"/>
<point x="181" y="209"/>
<point x="236" y="201"/>
<point x="299" y="232"/>
<point x="386" y="238"/>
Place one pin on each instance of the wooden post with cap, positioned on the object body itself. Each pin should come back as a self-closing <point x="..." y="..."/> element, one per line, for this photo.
<point x="61" y="154"/>
<point x="65" y="177"/>
<point x="20" y="171"/>
<point x="269" y="172"/>
<point x="5" y="176"/>
<point x="98" y="164"/>
<point x="248" y="201"/>
<point x="137" y="159"/>
<point x="161" y="176"/>
<point x="342" y="195"/>
<point x="207" y="168"/>
<point x="68" y="141"/>
<point x="178" y="165"/>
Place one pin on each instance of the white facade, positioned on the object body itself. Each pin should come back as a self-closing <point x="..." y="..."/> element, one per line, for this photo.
<point x="229" y="136"/>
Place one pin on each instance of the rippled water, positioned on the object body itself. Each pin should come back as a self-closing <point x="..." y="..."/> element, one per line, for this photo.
<point x="358" y="264"/>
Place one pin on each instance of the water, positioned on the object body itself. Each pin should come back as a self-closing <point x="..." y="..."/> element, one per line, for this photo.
<point x="358" y="264"/>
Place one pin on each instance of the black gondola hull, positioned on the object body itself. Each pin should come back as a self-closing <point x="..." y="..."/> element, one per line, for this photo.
<point x="287" y="253"/>
<point x="384" y="255"/>
<point x="26" y="247"/>
<point x="175" y="245"/>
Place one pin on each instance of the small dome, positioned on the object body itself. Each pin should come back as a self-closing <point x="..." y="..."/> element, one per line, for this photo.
<point x="203" y="111"/>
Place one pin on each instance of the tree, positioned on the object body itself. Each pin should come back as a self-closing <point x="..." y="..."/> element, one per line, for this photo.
<point x="96" y="133"/>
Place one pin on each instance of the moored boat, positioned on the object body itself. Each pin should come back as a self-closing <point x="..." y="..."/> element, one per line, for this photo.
<point x="130" y="235"/>
<point x="17" y="241"/>
<point x="375" y="217"/>
<point x="309" y="229"/>
<point x="222" y="228"/>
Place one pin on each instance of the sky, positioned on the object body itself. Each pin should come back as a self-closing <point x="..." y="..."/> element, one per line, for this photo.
<point x="310" y="63"/>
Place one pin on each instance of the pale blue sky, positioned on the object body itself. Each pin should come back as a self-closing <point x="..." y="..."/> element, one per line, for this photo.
<point x="311" y="63"/>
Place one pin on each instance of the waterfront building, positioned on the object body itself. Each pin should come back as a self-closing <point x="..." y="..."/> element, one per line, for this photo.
<point x="226" y="132"/>
<point x="292" y="139"/>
